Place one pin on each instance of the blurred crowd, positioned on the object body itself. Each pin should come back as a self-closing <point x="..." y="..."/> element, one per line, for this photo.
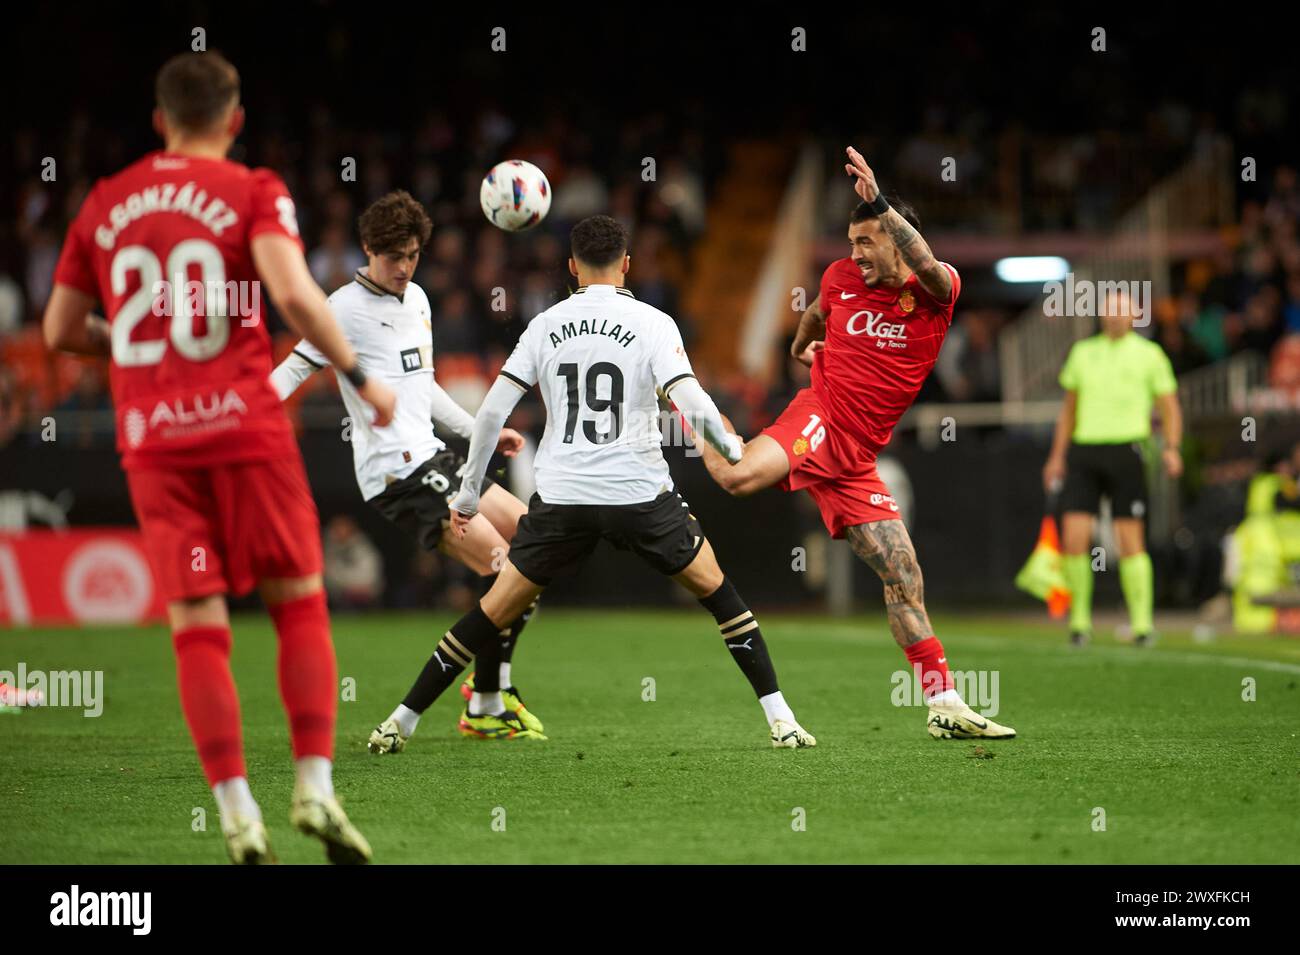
<point x="483" y="283"/>
<point x="1248" y="298"/>
<point x="970" y="170"/>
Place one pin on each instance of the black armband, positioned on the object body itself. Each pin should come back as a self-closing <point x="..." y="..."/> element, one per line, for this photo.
<point x="355" y="376"/>
<point x="878" y="205"/>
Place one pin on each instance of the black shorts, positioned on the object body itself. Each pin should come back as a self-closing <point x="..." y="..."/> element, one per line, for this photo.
<point x="418" y="502"/>
<point x="555" y="539"/>
<point x="1115" y="470"/>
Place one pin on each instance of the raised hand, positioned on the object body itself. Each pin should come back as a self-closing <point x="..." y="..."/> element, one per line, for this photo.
<point x="864" y="180"/>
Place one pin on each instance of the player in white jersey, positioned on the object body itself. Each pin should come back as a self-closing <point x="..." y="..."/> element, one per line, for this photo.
<point x="599" y="357"/>
<point x="405" y="470"/>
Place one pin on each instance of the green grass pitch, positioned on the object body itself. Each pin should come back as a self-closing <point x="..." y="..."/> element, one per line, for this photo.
<point x="1160" y="739"/>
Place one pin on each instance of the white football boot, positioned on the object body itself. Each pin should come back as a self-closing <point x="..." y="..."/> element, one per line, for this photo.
<point x="787" y="734"/>
<point x="315" y="814"/>
<point x="959" y="721"/>
<point x="387" y="738"/>
<point x="246" y="840"/>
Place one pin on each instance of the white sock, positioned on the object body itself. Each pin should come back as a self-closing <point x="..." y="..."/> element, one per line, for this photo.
<point x="315" y="771"/>
<point x="487" y="704"/>
<point x="505" y="677"/>
<point x="407" y="719"/>
<point x="234" y="797"/>
<point x="776" y="708"/>
<point x="947" y="698"/>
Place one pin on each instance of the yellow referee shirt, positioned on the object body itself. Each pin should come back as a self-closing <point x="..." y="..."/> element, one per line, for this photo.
<point x="1117" y="380"/>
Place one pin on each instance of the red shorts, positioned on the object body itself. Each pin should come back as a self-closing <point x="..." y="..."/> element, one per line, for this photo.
<point x="831" y="466"/>
<point x="222" y="528"/>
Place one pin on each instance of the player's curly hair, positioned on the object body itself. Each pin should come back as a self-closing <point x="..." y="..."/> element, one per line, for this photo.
<point x="904" y="208"/>
<point x="598" y="241"/>
<point x="391" y="222"/>
<point x="196" y="89"/>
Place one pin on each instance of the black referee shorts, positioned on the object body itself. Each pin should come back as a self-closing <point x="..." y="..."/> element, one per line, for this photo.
<point x="1115" y="470"/>
<point x="555" y="539"/>
<point x="418" y="502"/>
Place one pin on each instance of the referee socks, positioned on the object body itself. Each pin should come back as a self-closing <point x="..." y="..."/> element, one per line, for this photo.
<point x="1077" y="570"/>
<point x="1137" y="580"/>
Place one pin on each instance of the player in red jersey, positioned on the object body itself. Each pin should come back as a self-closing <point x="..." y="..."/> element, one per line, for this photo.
<point x="871" y="337"/>
<point x="172" y="248"/>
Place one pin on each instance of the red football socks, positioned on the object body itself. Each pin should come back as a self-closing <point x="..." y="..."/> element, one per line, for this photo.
<point x="308" y="674"/>
<point x="209" y="701"/>
<point x="927" y="658"/>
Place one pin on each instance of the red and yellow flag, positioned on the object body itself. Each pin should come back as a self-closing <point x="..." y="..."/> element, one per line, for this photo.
<point x="1041" y="576"/>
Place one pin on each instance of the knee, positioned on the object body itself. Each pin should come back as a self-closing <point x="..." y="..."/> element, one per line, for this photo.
<point x="903" y="585"/>
<point x="707" y="584"/>
<point x="279" y="590"/>
<point x="903" y="593"/>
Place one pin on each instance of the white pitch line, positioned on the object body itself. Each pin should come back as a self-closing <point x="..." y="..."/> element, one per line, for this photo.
<point x="1125" y="655"/>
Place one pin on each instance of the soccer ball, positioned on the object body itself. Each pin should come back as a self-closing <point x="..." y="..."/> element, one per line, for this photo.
<point x="515" y="195"/>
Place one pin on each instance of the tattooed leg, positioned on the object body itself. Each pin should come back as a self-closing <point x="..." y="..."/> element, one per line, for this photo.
<point x="887" y="549"/>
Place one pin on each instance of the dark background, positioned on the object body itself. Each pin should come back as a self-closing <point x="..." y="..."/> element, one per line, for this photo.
<point x="607" y="85"/>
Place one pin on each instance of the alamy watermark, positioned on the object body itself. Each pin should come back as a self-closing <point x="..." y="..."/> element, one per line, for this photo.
<point x="133" y="910"/>
<point x="612" y="424"/>
<point x="82" y="689"/>
<point x="1088" y="298"/>
<point x="211" y="298"/>
<point x="976" y="687"/>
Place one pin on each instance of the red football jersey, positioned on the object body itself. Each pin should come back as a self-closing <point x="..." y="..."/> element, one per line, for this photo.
<point x="164" y="245"/>
<point x="880" y="345"/>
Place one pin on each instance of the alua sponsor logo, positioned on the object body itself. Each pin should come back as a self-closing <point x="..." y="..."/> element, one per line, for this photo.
<point x="203" y="409"/>
<point x="184" y="412"/>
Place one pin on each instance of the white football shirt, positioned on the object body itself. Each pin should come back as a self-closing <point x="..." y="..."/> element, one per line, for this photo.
<point x="393" y="339"/>
<point x="598" y="356"/>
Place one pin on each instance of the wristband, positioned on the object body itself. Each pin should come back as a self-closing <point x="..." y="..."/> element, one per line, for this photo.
<point x="355" y="376"/>
<point x="878" y="205"/>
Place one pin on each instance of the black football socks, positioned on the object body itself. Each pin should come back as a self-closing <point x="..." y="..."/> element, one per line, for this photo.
<point x="488" y="677"/>
<point x="458" y="646"/>
<point x="742" y="636"/>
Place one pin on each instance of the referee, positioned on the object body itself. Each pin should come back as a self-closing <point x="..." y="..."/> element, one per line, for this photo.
<point x="1111" y="381"/>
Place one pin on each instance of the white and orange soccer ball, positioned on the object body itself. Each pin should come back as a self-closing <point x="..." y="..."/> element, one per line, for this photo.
<point x="515" y="195"/>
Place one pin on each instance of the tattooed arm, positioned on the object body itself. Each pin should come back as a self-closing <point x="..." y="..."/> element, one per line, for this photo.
<point x="916" y="254"/>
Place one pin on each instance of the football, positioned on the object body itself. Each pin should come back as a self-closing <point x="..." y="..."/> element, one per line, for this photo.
<point x="515" y="195"/>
